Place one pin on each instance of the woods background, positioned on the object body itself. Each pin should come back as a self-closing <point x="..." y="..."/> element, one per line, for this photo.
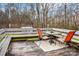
<point x="43" y="15"/>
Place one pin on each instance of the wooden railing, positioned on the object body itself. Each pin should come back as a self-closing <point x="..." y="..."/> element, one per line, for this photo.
<point x="35" y="29"/>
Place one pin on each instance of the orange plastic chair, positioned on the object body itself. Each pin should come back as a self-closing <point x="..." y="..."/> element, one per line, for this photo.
<point x="69" y="36"/>
<point x="39" y="33"/>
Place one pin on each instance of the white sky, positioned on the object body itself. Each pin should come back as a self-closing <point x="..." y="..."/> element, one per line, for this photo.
<point x="39" y="1"/>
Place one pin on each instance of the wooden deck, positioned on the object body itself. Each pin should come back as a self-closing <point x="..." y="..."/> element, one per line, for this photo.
<point x="6" y="38"/>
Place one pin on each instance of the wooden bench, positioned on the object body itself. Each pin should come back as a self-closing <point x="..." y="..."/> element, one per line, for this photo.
<point x="4" y="45"/>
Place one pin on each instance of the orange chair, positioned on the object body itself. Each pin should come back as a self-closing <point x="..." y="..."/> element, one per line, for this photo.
<point x="69" y="36"/>
<point x="40" y="34"/>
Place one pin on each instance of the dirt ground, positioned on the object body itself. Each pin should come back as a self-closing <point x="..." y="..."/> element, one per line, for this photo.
<point x="26" y="48"/>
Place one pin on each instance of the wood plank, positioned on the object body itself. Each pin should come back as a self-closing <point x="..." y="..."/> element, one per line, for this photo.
<point x="5" y="45"/>
<point x="2" y="31"/>
<point x="26" y="35"/>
